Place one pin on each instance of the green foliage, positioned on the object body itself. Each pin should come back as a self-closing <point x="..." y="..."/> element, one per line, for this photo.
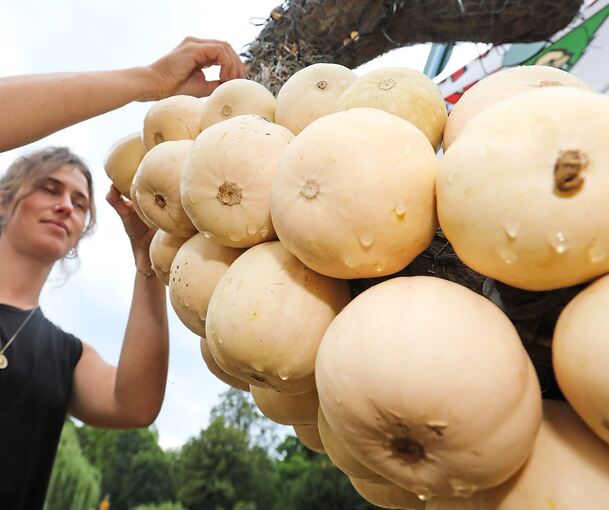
<point x="228" y="466"/>
<point x="309" y="480"/>
<point x="245" y="506"/>
<point x="218" y="470"/>
<point x="161" y="506"/>
<point x="134" y="469"/>
<point x="75" y="483"/>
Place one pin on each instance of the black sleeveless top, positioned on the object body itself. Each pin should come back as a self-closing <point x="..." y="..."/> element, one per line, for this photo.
<point x="35" y="390"/>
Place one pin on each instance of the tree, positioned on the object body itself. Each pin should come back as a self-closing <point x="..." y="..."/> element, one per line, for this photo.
<point x="134" y="469"/>
<point x="75" y="483"/>
<point x="162" y="506"/>
<point x="239" y="410"/>
<point x="309" y="480"/>
<point x="218" y="470"/>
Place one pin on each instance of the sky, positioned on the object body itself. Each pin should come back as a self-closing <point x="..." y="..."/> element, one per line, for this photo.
<point x="37" y="36"/>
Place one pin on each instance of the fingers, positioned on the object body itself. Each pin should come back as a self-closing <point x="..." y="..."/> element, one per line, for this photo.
<point x="218" y="53"/>
<point x="180" y="72"/>
<point x="121" y="205"/>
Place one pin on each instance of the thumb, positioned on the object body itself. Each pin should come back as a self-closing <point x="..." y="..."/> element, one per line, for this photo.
<point x="118" y="203"/>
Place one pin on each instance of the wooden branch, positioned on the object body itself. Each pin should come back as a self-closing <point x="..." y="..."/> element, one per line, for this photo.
<point x="352" y="32"/>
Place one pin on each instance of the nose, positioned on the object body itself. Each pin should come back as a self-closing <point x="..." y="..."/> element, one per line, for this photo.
<point x="64" y="205"/>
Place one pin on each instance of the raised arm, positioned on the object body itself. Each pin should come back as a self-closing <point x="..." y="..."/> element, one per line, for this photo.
<point x="131" y="394"/>
<point x="34" y="106"/>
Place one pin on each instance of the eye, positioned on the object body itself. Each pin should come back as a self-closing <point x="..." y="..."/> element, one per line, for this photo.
<point x="49" y="188"/>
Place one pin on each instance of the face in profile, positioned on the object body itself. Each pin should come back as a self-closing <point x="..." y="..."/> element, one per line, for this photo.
<point x="48" y="222"/>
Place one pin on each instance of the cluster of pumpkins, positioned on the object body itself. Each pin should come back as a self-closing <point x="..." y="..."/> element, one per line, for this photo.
<point x="418" y="389"/>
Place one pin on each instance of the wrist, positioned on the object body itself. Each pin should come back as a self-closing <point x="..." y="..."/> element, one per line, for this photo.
<point x="146" y="273"/>
<point x="148" y="89"/>
<point x="143" y="264"/>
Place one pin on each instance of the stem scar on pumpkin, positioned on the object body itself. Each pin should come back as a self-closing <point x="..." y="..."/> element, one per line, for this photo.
<point x="406" y="449"/>
<point x="160" y="200"/>
<point x="567" y="171"/>
<point x="229" y="194"/>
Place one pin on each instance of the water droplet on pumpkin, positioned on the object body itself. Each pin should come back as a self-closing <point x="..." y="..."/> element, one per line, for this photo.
<point x="507" y="255"/>
<point x="462" y="489"/>
<point x="423" y="493"/>
<point x="350" y="261"/>
<point x="235" y="237"/>
<point x="284" y="375"/>
<point x="264" y="231"/>
<point x="252" y="230"/>
<point x="559" y="242"/>
<point x="597" y="254"/>
<point x="366" y="239"/>
<point x="207" y="235"/>
<point x="220" y="342"/>
<point x="400" y="210"/>
<point x="511" y="229"/>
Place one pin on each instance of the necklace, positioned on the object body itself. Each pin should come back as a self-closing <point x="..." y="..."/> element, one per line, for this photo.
<point x="3" y="360"/>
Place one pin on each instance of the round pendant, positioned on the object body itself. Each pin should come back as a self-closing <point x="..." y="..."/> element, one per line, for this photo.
<point x="3" y="362"/>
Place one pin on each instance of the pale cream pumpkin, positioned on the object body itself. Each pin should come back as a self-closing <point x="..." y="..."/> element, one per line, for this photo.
<point x="354" y="194"/>
<point x="310" y="93"/>
<point x="404" y="92"/>
<point x="267" y="315"/>
<point x="172" y="118"/>
<point x="501" y="85"/>
<point x="440" y="407"/>
<point x="286" y="408"/>
<point x="122" y="161"/>
<point x="157" y="187"/>
<point x="237" y="97"/>
<point x="340" y="455"/>
<point x="567" y="470"/>
<point x="163" y="249"/>
<point x="137" y="208"/>
<point x="226" y="186"/>
<point x="309" y="436"/>
<point x="523" y="193"/>
<point x="195" y="271"/>
<point x="580" y="354"/>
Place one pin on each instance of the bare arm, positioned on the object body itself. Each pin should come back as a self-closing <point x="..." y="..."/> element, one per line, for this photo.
<point x="34" y="106"/>
<point x="131" y="394"/>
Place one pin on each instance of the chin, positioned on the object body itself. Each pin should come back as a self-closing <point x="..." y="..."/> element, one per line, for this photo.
<point x="51" y="252"/>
